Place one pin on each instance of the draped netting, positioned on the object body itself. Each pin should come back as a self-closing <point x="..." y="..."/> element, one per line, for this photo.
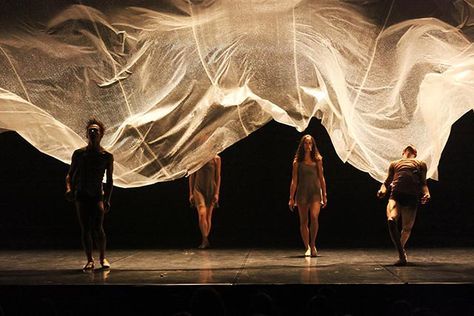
<point x="179" y="82"/>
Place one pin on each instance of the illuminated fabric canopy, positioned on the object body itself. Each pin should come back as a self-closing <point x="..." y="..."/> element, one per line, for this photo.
<point x="179" y="83"/>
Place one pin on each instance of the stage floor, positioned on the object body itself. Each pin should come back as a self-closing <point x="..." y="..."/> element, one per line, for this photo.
<point x="239" y="267"/>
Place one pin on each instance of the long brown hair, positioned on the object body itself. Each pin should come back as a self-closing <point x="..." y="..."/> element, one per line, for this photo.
<point x="315" y="155"/>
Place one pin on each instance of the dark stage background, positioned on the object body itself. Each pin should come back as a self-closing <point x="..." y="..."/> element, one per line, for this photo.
<point x="255" y="184"/>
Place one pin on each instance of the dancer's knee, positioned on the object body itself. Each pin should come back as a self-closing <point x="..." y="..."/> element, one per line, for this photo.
<point x="86" y="230"/>
<point x="202" y="218"/>
<point x="406" y="229"/>
<point x="99" y="235"/>
<point x="314" y="219"/>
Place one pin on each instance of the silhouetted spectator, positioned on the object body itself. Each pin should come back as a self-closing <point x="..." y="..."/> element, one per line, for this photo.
<point x="182" y="314"/>
<point x="400" y="308"/>
<point x="206" y="301"/>
<point x="262" y="304"/>
<point x="320" y="305"/>
<point x="423" y="311"/>
<point x="458" y="307"/>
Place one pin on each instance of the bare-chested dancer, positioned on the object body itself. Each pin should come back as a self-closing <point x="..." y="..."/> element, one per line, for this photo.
<point x="92" y="199"/>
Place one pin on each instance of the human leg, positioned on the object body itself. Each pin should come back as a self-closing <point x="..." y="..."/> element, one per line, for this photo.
<point x="392" y="210"/>
<point x="98" y="230"/>
<point x="203" y="226"/>
<point x="393" y="214"/>
<point x="408" y="220"/>
<point x="209" y="212"/>
<point x="304" y="231"/>
<point x="202" y="218"/>
<point x="315" y="208"/>
<point x="83" y="214"/>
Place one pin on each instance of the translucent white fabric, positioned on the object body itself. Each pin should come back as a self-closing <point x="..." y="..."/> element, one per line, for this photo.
<point x="179" y="83"/>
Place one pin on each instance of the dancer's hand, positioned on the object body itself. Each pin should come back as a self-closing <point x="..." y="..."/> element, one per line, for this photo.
<point x="425" y="198"/>
<point x="291" y="204"/>
<point x="324" y="202"/>
<point x="381" y="193"/>
<point x="215" y="199"/>
<point x="69" y="195"/>
<point x="191" y="200"/>
<point x="106" y="206"/>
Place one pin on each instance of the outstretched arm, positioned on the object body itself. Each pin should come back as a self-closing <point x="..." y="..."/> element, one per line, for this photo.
<point x="294" y="181"/>
<point x="109" y="184"/>
<point x="322" y="182"/>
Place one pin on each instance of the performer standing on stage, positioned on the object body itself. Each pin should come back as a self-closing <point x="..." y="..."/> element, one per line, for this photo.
<point x="310" y="186"/>
<point x="204" y="186"/>
<point x="407" y="181"/>
<point x="84" y="186"/>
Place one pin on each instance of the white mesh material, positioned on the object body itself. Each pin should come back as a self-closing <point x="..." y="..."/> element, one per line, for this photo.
<point x="176" y="85"/>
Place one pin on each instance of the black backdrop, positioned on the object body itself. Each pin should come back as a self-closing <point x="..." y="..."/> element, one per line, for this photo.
<point x="255" y="183"/>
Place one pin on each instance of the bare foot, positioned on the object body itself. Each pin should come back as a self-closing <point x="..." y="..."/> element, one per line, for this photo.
<point x="88" y="266"/>
<point x="204" y="244"/>
<point x="402" y="261"/>
<point x="105" y="264"/>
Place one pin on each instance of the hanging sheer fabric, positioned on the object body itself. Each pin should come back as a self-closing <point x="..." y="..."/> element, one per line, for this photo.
<point x="179" y="82"/>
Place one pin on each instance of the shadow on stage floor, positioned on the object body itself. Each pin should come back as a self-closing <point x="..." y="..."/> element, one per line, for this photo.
<point x="348" y="281"/>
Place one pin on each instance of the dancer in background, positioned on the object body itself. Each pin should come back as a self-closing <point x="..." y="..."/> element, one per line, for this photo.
<point x="204" y="186"/>
<point x="92" y="199"/>
<point x="310" y="186"/>
<point x="407" y="182"/>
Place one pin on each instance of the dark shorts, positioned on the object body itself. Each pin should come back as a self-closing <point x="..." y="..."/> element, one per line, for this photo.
<point x="89" y="209"/>
<point x="405" y="199"/>
<point x="85" y="198"/>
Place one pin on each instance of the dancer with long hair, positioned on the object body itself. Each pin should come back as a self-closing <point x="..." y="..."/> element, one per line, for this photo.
<point x="308" y="182"/>
<point x="204" y="187"/>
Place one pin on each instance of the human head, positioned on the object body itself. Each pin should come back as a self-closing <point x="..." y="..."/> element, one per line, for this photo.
<point x="207" y="301"/>
<point x="95" y="130"/>
<point x="262" y="303"/>
<point x="320" y="305"/>
<point x="307" y="143"/>
<point x="410" y="152"/>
